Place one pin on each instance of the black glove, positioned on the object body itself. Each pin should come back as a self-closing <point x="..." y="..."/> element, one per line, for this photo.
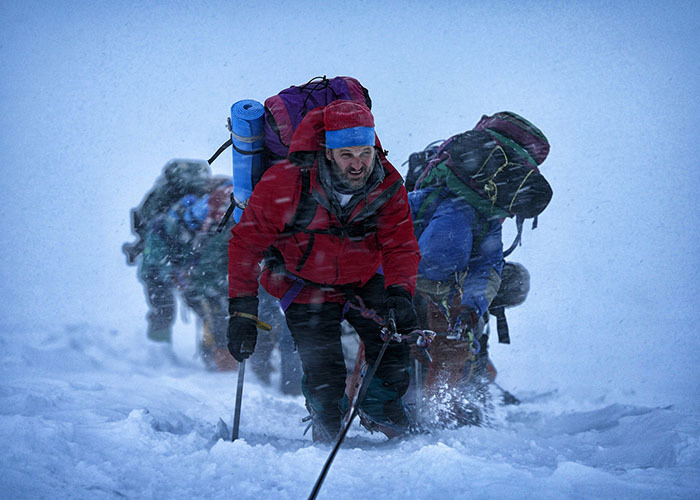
<point x="399" y="301"/>
<point x="242" y="326"/>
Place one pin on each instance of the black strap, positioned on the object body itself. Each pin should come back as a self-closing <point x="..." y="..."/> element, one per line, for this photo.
<point x="247" y="153"/>
<point x="227" y="215"/>
<point x="501" y="325"/>
<point x="519" y="224"/>
<point x="230" y="208"/>
<point x="519" y="221"/>
<point x="306" y="208"/>
<point x="313" y="85"/>
<point x="221" y="149"/>
<point x="304" y="214"/>
<point x="371" y="208"/>
<point x="307" y="252"/>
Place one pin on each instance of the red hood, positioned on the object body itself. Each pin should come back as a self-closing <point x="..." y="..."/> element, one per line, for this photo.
<point x="310" y="134"/>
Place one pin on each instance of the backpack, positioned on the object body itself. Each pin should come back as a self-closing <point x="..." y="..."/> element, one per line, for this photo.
<point x="281" y="116"/>
<point x="417" y="162"/>
<point x="494" y="167"/>
<point x="284" y="111"/>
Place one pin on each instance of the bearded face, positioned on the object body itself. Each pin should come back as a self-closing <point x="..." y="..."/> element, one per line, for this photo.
<point x="351" y="166"/>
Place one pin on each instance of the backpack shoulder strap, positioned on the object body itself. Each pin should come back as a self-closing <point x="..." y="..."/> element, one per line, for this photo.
<point x="306" y="208"/>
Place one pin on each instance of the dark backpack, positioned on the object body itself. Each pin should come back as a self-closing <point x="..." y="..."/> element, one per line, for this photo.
<point x="494" y="167"/>
<point x="417" y="162"/>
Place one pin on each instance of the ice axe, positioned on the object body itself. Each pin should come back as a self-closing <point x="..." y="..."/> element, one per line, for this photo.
<point x="247" y="348"/>
<point x="239" y="396"/>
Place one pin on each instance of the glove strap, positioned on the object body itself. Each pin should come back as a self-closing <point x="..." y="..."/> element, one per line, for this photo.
<point x="259" y="323"/>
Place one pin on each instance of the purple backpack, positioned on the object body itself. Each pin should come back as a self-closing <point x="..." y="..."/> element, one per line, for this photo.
<point x="284" y="111"/>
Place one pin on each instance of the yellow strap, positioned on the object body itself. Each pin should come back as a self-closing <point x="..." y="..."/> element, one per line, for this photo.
<point x="259" y="323"/>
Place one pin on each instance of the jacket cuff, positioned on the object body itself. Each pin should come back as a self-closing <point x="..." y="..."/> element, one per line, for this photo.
<point x="247" y="304"/>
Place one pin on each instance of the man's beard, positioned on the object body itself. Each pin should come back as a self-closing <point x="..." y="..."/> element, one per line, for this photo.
<point x="344" y="185"/>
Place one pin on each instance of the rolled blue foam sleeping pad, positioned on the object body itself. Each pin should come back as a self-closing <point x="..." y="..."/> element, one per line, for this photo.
<point x="248" y="139"/>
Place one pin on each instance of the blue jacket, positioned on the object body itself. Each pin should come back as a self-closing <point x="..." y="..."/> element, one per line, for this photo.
<point x="455" y="241"/>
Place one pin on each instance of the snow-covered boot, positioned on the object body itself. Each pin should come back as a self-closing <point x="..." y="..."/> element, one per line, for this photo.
<point x="323" y="432"/>
<point x="383" y="410"/>
<point x="324" y="427"/>
<point x="392" y="427"/>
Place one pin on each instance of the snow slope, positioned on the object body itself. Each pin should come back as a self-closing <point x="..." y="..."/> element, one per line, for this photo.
<point x="89" y="413"/>
<point x="97" y="96"/>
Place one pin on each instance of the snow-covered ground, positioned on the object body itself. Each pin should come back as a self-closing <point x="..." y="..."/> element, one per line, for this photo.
<point x="97" y="96"/>
<point x="90" y="413"/>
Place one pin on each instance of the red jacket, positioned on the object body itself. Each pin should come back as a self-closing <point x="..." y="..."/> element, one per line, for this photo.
<point x="333" y="260"/>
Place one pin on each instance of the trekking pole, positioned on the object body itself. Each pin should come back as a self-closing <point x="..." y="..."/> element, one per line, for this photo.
<point x="239" y="395"/>
<point x="360" y="397"/>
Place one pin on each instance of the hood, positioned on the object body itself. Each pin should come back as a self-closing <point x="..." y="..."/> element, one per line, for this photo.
<point x="309" y="137"/>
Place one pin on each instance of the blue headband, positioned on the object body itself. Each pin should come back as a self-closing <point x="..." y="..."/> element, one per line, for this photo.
<point x="348" y="137"/>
